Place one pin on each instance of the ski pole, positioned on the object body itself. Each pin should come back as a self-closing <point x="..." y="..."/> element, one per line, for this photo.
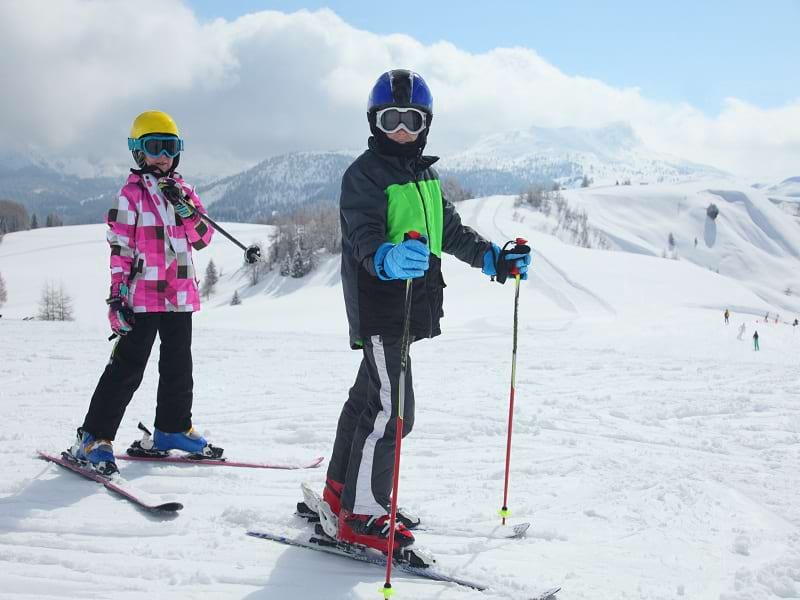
<point x="504" y="512"/>
<point x="405" y="342"/>
<point x="251" y="253"/>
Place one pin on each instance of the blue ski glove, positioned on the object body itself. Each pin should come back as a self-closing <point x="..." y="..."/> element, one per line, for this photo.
<point x="499" y="263"/>
<point x="402" y="261"/>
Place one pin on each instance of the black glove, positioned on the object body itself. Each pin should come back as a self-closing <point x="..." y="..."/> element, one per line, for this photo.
<point x="513" y="259"/>
<point x="120" y="315"/>
<point x="252" y="254"/>
<point x="173" y="192"/>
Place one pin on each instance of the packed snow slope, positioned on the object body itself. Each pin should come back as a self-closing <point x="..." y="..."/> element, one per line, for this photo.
<point x="654" y="451"/>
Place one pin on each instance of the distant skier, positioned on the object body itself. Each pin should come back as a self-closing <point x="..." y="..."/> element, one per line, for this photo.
<point x="777" y="318"/>
<point x="766" y="317"/>
<point x="152" y="231"/>
<point x="389" y="190"/>
<point x="795" y="323"/>
<point x="726" y="315"/>
<point x="755" y="341"/>
<point x="741" y="332"/>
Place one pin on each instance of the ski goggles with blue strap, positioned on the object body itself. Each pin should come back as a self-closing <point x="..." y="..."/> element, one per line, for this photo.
<point x="393" y="119"/>
<point x="156" y="145"/>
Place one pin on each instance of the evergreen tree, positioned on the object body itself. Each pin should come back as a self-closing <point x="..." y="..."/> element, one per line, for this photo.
<point x="3" y="293"/>
<point x="286" y="265"/>
<point x="298" y="265"/>
<point x="210" y="280"/>
<point x="53" y="220"/>
<point x="34" y="222"/>
<point x="236" y="301"/>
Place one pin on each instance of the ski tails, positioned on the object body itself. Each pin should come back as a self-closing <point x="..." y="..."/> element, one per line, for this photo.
<point x="321" y="543"/>
<point x="365" y="555"/>
<point x="116" y="486"/>
<point x="191" y="459"/>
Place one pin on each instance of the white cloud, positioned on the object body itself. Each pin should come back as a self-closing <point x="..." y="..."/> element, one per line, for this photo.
<point x="77" y="73"/>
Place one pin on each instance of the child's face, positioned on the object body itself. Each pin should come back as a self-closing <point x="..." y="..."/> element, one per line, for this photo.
<point x="163" y="162"/>
<point x="401" y="136"/>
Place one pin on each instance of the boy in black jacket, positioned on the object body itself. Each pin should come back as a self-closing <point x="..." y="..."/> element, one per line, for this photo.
<point x="388" y="191"/>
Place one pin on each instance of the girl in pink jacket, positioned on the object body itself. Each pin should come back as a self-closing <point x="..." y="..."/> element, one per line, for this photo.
<point x="152" y="231"/>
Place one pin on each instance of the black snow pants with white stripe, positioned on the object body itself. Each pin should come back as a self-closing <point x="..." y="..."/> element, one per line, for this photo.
<point x="363" y="453"/>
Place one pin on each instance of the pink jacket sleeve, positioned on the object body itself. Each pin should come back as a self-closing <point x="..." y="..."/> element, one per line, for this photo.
<point x="121" y="236"/>
<point x="198" y="232"/>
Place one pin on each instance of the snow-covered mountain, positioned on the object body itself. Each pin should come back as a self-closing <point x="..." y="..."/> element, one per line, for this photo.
<point x="508" y="162"/>
<point x="501" y="163"/>
<point x="785" y="195"/>
<point x="788" y="188"/>
<point x="278" y="183"/>
<point x="504" y="163"/>
<point x="44" y="190"/>
<point x="654" y="451"/>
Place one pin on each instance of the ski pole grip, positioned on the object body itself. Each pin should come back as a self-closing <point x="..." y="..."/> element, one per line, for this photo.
<point x="414" y="235"/>
<point x="506" y="268"/>
<point x="518" y="242"/>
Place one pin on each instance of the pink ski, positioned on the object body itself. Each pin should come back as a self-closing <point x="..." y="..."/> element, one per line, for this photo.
<point x="222" y="462"/>
<point x="116" y="485"/>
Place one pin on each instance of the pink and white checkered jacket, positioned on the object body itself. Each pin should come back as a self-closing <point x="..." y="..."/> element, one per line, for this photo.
<point x="151" y="247"/>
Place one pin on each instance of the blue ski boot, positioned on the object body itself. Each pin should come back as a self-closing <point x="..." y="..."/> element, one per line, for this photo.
<point x="97" y="453"/>
<point x="159" y="443"/>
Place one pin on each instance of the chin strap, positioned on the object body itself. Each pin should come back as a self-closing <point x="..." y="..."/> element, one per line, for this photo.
<point x="153" y="170"/>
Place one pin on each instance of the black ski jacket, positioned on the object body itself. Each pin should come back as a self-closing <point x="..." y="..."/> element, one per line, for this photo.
<point x="382" y="198"/>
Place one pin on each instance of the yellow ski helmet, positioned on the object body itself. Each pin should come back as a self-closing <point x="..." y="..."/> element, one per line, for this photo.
<point x="153" y="121"/>
<point x="162" y="134"/>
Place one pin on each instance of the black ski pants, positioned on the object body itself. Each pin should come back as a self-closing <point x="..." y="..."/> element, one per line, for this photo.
<point x="123" y="375"/>
<point x="363" y="453"/>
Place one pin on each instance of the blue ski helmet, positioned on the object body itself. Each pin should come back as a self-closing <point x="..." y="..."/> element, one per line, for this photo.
<point x="403" y="88"/>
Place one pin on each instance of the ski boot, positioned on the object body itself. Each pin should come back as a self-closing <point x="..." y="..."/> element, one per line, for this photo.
<point x="159" y="444"/>
<point x="372" y="531"/>
<point x="332" y="494"/>
<point x="95" y="453"/>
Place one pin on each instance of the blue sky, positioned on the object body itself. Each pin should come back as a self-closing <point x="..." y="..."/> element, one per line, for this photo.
<point x="699" y="52"/>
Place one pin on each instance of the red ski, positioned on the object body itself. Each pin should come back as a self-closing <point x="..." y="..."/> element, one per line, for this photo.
<point x="221" y="462"/>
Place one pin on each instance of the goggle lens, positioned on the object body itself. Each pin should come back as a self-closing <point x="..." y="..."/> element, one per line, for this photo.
<point x="156" y="145"/>
<point x="390" y="120"/>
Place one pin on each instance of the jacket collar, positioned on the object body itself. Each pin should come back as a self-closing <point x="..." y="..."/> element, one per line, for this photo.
<point x="415" y="164"/>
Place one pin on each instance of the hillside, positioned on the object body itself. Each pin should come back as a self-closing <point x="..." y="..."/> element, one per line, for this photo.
<point x="654" y="452"/>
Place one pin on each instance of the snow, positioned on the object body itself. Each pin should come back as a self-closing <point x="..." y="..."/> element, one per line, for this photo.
<point x="654" y="453"/>
<point x="605" y="154"/>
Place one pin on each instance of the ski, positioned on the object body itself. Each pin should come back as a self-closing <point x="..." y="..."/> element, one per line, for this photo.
<point x="308" y="510"/>
<point x="144" y="450"/>
<point x="494" y="532"/>
<point x="321" y="543"/>
<point x="194" y="459"/>
<point x="117" y="485"/>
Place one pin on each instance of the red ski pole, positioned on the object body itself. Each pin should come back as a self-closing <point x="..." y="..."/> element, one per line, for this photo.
<point x="405" y="342"/>
<point x="504" y="512"/>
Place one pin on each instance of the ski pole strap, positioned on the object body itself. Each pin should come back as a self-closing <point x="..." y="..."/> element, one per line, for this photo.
<point x="505" y="267"/>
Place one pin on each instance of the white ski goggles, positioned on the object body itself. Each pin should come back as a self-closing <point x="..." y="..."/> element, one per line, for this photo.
<point x="392" y="119"/>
